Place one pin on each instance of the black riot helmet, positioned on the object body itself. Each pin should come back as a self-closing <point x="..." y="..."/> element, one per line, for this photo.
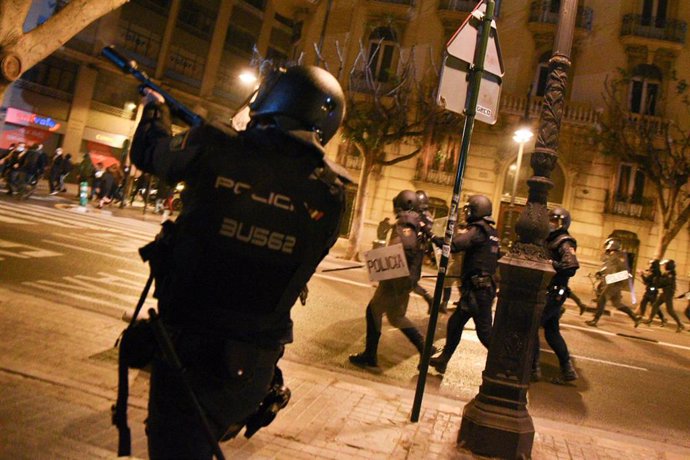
<point x="559" y="218"/>
<point x="422" y="200"/>
<point x="612" y="244"/>
<point x="308" y="95"/>
<point x="405" y="201"/>
<point x="670" y="265"/>
<point x="655" y="266"/>
<point x="477" y="207"/>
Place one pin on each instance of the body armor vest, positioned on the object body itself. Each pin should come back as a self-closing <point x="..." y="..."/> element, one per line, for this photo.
<point x="481" y="259"/>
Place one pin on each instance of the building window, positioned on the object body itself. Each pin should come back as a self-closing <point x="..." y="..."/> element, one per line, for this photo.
<point x="654" y="13"/>
<point x="630" y="184"/>
<point x="382" y="44"/>
<point x="196" y="19"/>
<point x="644" y="89"/>
<point x="541" y="76"/>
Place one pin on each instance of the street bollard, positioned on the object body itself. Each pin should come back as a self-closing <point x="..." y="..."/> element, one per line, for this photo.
<point x="83" y="192"/>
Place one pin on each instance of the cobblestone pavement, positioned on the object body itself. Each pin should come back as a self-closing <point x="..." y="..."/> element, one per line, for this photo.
<point x="58" y="380"/>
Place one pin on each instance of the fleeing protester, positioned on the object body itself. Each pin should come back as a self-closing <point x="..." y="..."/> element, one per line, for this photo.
<point x="667" y="284"/>
<point x="392" y="296"/>
<point x="225" y="298"/>
<point x="55" y="173"/>
<point x="614" y="275"/>
<point x="561" y="247"/>
<point x="481" y="249"/>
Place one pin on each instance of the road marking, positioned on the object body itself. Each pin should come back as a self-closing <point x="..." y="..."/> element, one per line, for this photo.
<point x="110" y="280"/>
<point x="602" y="332"/>
<point x="60" y="291"/>
<point x="12" y="220"/>
<point x="601" y="361"/>
<point x="28" y="253"/>
<point x="137" y="274"/>
<point x="91" y="251"/>
<point x="112" y="241"/>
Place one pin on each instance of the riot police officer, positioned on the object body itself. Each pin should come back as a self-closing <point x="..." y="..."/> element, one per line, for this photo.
<point x="561" y="247"/>
<point x="481" y="247"/>
<point x="615" y="263"/>
<point x="667" y="283"/>
<point x="650" y="277"/>
<point x="261" y="209"/>
<point x="392" y="296"/>
<point x="425" y="222"/>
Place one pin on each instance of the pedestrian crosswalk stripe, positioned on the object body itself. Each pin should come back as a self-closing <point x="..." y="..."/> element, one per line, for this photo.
<point x="92" y="251"/>
<point x="71" y="219"/>
<point x="12" y="220"/>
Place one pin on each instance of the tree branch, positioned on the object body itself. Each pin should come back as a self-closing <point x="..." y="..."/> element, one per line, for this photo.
<point x="60" y="28"/>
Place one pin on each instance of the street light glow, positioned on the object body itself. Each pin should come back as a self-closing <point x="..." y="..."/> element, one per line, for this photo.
<point x="523" y="135"/>
<point x="248" y="78"/>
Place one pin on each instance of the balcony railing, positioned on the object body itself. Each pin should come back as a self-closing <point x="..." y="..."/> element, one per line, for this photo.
<point x="572" y="113"/>
<point x="542" y="12"/>
<point x="671" y="30"/>
<point x="110" y="110"/>
<point x="627" y="206"/>
<point x="464" y="6"/>
<point x="42" y="89"/>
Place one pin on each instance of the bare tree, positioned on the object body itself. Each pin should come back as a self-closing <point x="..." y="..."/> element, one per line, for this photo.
<point x="661" y="146"/>
<point x="20" y="51"/>
<point x="382" y="111"/>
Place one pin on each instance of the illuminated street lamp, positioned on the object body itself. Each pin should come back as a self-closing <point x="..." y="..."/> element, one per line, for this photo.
<point x="521" y="136"/>
<point x="248" y="78"/>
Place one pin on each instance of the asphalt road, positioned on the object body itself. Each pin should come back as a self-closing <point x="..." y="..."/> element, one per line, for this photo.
<point x="634" y="381"/>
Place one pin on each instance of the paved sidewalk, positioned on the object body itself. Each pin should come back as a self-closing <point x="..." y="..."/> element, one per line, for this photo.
<point x="58" y="380"/>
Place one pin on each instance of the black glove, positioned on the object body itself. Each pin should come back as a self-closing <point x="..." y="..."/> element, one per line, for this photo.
<point x="437" y="240"/>
<point x="155" y="124"/>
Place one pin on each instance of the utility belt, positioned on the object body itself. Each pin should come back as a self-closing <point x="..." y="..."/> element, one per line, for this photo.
<point x="559" y="292"/>
<point x="483" y="281"/>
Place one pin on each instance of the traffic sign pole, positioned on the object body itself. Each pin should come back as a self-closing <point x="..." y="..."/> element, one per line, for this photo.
<point x="476" y="72"/>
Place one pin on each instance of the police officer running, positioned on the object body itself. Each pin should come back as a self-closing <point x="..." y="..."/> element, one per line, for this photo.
<point x="481" y="245"/>
<point x="392" y="296"/>
<point x="561" y="247"/>
<point x="261" y="209"/>
<point x="615" y="266"/>
<point x="425" y="222"/>
<point x="667" y="283"/>
<point x="651" y="277"/>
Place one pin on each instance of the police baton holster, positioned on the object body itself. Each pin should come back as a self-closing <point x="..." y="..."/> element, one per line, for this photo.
<point x="170" y="357"/>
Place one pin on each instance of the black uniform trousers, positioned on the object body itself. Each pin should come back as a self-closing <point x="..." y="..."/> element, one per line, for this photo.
<point x="475" y="304"/>
<point x="550" y="321"/>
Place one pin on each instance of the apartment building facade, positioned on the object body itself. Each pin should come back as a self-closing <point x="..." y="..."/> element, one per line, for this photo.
<point x="197" y="49"/>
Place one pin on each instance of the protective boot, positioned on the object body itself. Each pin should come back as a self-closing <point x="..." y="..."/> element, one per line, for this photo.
<point x="367" y="358"/>
<point x="440" y="362"/>
<point x="568" y="374"/>
<point x="592" y="322"/>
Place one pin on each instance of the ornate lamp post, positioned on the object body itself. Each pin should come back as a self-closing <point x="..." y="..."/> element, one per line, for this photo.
<point x="521" y="136"/>
<point x="496" y="422"/>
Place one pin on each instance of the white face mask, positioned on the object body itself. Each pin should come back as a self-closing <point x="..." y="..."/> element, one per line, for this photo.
<point x="20" y="149"/>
